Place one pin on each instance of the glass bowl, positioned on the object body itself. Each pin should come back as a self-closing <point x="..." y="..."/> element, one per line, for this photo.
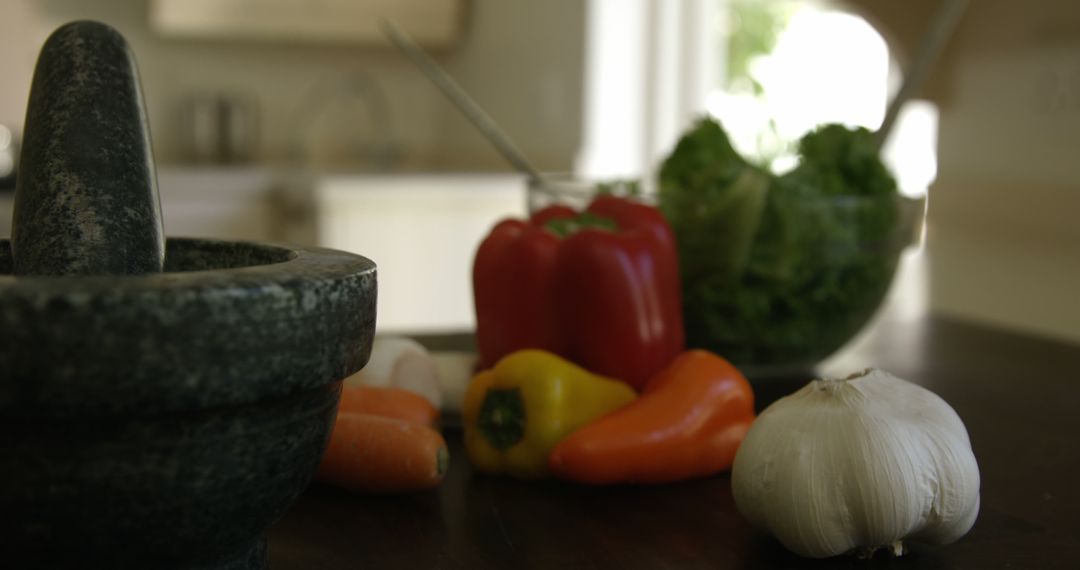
<point x="567" y="190"/>
<point x="812" y="276"/>
<point x="780" y="298"/>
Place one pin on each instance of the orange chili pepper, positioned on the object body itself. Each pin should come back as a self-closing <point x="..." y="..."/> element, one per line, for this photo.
<point x="688" y="422"/>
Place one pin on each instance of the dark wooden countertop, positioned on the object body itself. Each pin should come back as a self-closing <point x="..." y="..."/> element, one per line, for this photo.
<point x="1019" y="397"/>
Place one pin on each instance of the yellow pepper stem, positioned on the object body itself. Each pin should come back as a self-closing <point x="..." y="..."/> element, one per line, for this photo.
<point x="502" y="418"/>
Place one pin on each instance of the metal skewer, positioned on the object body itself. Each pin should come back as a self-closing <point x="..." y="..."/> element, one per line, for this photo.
<point x="456" y="93"/>
<point x="937" y="34"/>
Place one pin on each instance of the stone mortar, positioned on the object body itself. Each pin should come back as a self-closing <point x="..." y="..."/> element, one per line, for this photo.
<point x="162" y="402"/>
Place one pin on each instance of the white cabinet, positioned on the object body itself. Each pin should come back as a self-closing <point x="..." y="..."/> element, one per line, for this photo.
<point x="433" y="23"/>
<point x="222" y="203"/>
<point x="422" y="231"/>
<point x="6" y="203"/>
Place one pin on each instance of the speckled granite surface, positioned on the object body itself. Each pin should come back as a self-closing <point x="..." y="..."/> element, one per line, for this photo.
<point x="86" y="200"/>
<point x="172" y="491"/>
<point x="79" y="347"/>
<point x="161" y="402"/>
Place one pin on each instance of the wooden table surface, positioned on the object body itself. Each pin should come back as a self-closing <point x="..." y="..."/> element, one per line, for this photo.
<point x="1019" y="397"/>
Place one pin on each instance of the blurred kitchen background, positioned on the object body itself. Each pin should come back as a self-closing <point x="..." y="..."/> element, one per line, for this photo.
<point x="295" y="120"/>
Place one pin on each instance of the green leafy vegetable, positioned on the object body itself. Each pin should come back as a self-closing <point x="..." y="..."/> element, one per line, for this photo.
<point x="713" y="200"/>
<point x="780" y="270"/>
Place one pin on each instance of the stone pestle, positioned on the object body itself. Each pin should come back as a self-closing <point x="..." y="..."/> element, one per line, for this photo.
<point x="86" y="200"/>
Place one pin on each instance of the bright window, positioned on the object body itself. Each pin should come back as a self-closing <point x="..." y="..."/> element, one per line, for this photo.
<point x="768" y="70"/>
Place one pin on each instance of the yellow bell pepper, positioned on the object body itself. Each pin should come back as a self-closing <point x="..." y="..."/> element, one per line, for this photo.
<point x="516" y="412"/>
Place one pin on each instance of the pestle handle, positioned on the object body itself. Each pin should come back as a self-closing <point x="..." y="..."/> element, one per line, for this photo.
<point x="86" y="200"/>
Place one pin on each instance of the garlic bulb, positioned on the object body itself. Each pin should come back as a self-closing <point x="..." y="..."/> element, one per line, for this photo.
<point x="857" y="464"/>
<point x="401" y="362"/>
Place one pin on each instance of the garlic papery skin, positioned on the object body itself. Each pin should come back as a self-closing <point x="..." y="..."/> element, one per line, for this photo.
<point x="401" y="362"/>
<point x="857" y="464"/>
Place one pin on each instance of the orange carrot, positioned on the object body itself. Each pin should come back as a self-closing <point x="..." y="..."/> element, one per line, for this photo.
<point x="372" y="453"/>
<point x="389" y="403"/>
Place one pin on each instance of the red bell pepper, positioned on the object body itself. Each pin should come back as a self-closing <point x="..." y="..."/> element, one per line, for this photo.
<point x="600" y="288"/>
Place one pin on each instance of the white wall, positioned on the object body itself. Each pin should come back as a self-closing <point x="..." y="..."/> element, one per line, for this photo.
<point x="1003" y="244"/>
<point x="522" y="59"/>
<point x="1003" y="241"/>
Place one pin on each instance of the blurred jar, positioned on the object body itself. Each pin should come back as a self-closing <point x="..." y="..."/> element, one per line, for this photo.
<point x="219" y="128"/>
<point x="568" y="190"/>
<point x="9" y="158"/>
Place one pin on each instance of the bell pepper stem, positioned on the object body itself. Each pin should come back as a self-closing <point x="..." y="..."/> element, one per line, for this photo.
<point x="502" y="418"/>
<point x="564" y="227"/>
<point x="442" y="459"/>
